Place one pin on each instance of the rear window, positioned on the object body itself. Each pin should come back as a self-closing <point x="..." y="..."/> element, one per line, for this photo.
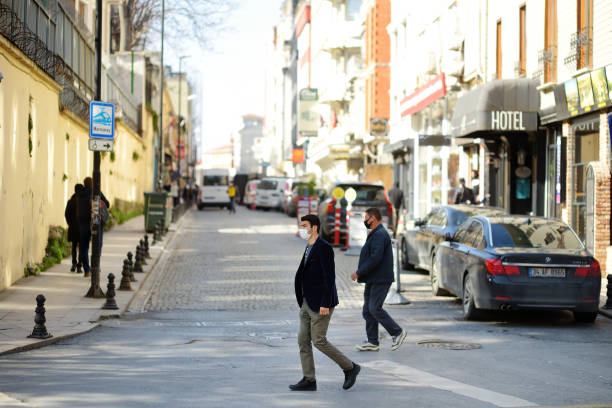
<point x="534" y="234"/>
<point x="367" y="194"/>
<point x="215" y="181"/>
<point x="267" y="185"/>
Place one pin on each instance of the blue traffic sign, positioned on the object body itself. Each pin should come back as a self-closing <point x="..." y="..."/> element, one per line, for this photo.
<point x="101" y="120"/>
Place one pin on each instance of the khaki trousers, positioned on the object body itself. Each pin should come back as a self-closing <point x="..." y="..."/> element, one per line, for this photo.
<point x="313" y="329"/>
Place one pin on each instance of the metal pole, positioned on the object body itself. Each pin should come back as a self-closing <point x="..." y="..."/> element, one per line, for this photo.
<point x="159" y="182"/>
<point x="95" y="291"/>
<point x="396" y="298"/>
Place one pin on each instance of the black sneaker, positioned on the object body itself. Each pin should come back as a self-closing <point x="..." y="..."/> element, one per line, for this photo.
<point x="350" y="376"/>
<point x="73" y="268"/>
<point x="304" y="385"/>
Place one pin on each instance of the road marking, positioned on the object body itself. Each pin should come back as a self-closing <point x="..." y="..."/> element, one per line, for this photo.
<point x="424" y="378"/>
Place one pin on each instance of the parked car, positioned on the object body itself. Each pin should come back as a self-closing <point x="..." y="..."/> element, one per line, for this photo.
<point x="250" y="190"/>
<point x="270" y="193"/>
<point x="300" y="189"/>
<point x="517" y="262"/>
<point x="368" y="195"/>
<point x="417" y="244"/>
<point x="213" y="192"/>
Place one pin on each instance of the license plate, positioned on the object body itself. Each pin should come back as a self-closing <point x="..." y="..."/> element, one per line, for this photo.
<point x="547" y="272"/>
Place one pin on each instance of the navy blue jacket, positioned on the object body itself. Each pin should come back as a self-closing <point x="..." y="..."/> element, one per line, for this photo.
<point x="376" y="258"/>
<point x="317" y="277"/>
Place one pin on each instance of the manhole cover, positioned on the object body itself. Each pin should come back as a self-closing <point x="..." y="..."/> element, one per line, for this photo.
<point x="271" y="335"/>
<point x="448" y="344"/>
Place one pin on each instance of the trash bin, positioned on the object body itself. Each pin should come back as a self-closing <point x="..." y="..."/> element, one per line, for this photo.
<point x="158" y="206"/>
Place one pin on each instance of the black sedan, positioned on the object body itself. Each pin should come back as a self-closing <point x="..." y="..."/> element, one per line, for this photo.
<point x="418" y="244"/>
<point x="517" y="262"/>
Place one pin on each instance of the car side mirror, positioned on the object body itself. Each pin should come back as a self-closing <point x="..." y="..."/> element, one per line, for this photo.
<point x="448" y="237"/>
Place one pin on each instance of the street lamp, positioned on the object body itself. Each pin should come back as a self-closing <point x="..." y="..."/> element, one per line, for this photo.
<point x="181" y="58"/>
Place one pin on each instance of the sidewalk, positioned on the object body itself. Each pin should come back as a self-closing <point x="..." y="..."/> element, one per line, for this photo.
<point x="69" y="313"/>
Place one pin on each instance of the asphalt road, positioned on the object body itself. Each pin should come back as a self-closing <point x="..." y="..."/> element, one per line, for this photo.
<point x="216" y="326"/>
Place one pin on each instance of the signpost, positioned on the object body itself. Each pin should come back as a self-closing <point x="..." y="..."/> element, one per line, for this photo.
<point x="350" y="195"/>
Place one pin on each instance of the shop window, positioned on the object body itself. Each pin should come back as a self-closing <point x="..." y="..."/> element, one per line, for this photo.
<point x="586" y="150"/>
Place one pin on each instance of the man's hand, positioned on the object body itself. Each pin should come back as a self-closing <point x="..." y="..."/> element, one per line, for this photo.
<point x="324" y="311"/>
<point x="354" y="276"/>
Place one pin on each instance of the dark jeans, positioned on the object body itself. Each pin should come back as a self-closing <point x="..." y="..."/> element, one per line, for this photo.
<point x="75" y="259"/>
<point x="232" y="205"/>
<point x="373" y="313"/>
<point x="85" y="236"/>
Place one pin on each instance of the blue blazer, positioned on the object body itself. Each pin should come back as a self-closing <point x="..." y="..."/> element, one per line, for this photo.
<point x="376" y="258"/>
<point x="315" y="279"/>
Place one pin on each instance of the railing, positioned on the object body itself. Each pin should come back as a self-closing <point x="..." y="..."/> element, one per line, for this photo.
<point x="547" y="63"/>
<point x="581" y="53"/>
<point x="127" y="108"/>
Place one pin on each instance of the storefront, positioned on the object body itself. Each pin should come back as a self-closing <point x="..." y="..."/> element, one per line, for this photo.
<point x="501" y="119"/>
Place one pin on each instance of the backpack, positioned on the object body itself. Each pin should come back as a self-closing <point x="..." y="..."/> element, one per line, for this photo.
<point x="104" y="213"/>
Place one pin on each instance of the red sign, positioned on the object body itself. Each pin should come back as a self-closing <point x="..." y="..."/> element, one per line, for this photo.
<point x="180" y="151"/>
<point x="298" y="156"/>
<point x="424" y="96"/>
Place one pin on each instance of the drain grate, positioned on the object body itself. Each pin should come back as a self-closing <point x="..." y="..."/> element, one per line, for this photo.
<point x="272" y="335"/>
<point x="448" y="344"/>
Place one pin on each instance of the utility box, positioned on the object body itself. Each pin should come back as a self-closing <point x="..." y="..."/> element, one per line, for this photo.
<point x="158" y="206"/>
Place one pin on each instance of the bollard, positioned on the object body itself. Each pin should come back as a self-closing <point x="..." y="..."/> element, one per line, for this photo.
<point x="111" y="303"/>
<point x="337" y="224"/>
<point x="143" y="258"/>
<point x="346" y="244"/>
<point x="40" y="330"/>
<point x="156" y="237"/>
<point x="137" y="265"/>
<point x="131" y="267"/>
<point x="125" y="277"/>
<point x="146" y="246"/>
<point x="608" y="304"/>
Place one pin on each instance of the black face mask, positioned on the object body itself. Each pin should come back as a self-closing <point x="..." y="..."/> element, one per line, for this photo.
<point x="366" y="224"/>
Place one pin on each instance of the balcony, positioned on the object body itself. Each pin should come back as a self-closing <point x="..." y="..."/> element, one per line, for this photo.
<point x="547" y="65"/>
<point x="343" y="36"/>
<point x="581" y="50"/>
<point x="126" y="106"/>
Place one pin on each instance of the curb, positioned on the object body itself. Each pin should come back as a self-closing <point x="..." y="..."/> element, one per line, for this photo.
<point x="96" y="324"/>
<point x="606" y="312"/>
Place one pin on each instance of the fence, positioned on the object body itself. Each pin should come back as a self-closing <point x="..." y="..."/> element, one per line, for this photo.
<point x="128" y="109"/>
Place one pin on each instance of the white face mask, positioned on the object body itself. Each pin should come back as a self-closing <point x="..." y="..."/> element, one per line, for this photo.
<point x="304" y="233"/>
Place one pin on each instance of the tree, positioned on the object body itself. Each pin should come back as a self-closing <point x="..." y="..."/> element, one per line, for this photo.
<point x="185" y="20"/>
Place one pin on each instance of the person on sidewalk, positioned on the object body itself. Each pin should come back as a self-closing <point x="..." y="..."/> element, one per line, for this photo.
<point x="315" y="290"/>
<point x="73" y="227"/>
<point x="375" y="269"/>
<point x="84" y="199"/>
<point x="464" y="195"/>
<point x="397" y="199"/>
<point x="231" y="192"/>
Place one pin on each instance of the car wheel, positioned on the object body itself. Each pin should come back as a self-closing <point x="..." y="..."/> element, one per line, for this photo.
<point x="434" y="278"/>
<point x="200" y="207"/>
<point x="404" y="255"/>
<point x="585" y="317"/>
<point x="470" y="312"/>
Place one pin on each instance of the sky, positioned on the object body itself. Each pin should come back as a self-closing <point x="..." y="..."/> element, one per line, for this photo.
<point x="231" y="76"/>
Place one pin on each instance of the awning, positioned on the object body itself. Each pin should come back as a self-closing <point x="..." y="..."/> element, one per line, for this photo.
<point x="399" y="147"/>
<point x="505" y="105"/>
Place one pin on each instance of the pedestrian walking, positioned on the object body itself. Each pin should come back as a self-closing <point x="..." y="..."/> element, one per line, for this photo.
<point x="315" y="290"/>
<point x="464" y="194"/>
<point x="231" y="192"/>
<point x="72" y="219"/>
<point x="375" y="269"/>
<point x="396" y="194"/>
<point x="84" y="199"/>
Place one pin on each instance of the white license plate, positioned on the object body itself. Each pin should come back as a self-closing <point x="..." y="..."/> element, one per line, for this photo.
<point x="547" y="272"/>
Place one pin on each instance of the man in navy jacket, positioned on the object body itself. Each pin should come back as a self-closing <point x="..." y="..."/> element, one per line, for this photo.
<point x="376" y="271"/>
<point x="315" y="290"/>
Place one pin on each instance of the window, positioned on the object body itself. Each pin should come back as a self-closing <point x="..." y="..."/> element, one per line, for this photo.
<point x="215" y="181"/>
<point x="267" y="185"/>
<point x="522" y="40"/>
<point x="473" y="235"/>
<point x="550" y="42"/>
<point x="352" y="9"/>
<point x="584" y="33"/>
<point x="534" y="233"/>
<point x="498" y="60"/>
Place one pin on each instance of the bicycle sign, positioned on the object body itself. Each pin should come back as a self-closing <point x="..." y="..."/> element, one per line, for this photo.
<point x="101" y="120"/>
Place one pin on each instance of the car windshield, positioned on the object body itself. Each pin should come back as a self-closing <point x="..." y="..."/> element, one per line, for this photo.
<point x="366" y="195"/>
<point x="533" y="233"/>
<point x="215" y="181"/>
<point x="267" y="185"/>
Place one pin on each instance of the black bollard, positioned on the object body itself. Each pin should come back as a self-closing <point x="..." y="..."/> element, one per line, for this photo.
<point x="146" y="246"/>
<point x="143" y="258"/>
<point x="40" y="330"/>
<point x="159" y="230"/>
<point x="137" y="264"/>
<point x="608" y="304"/>
<point x="131" y="267"/>
<point x="111" y="303"/>
<point x="125" y="277"/>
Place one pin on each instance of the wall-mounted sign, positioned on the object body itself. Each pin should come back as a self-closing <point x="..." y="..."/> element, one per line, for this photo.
<point x="585" y="91"/>
<point x="308" y="114"/>
<point x="379" y="127"/>
<point x="424" y="96"/>
<point x="297" y="156"/>
<point x="507" y="120"/>
<point x="600" y="87"/>
<point x="571" y="95"/>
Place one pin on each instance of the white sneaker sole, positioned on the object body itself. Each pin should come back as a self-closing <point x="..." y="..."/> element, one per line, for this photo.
<point x="367" y="348"/>
<point x="401" y="340"/>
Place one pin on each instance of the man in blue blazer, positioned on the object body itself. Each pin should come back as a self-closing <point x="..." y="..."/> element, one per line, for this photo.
<point x="315" y="290"/>
<point x="376" y="271"/>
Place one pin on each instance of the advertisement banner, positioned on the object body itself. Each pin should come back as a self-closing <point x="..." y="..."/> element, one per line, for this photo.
<point x="308" y="115"/>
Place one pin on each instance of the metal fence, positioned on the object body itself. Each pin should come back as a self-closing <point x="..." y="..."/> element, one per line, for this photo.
<point x="128" y="109"/>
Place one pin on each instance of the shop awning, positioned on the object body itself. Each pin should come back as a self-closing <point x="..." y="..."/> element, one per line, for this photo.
<point x="505" y="105"/>
<point x="401" y="146"/>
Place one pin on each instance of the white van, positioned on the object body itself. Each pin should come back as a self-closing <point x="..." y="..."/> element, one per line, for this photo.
<point x="213" y="191"/>
<point x="270" y="193"/>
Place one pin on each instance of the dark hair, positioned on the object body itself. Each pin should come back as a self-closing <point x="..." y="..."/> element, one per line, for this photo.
<point x="397" y="185"/>
<point x="313" y="220"/>
<point x="462" y="180"/>
<point x="374" y="212"/>
<point x="78" y="188"/>
<point x="475" y="173"/>
<point x="88" y="182"/>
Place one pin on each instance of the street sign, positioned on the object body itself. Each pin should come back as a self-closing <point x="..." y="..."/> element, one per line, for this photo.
<point x="101" y="120"/>
<point x="100" y="145"/>
<point x="338" y="193"/>
<point x="350" y="195"/>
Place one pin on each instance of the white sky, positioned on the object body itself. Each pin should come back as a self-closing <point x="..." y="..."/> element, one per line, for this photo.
<point x="232" y="76"/>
